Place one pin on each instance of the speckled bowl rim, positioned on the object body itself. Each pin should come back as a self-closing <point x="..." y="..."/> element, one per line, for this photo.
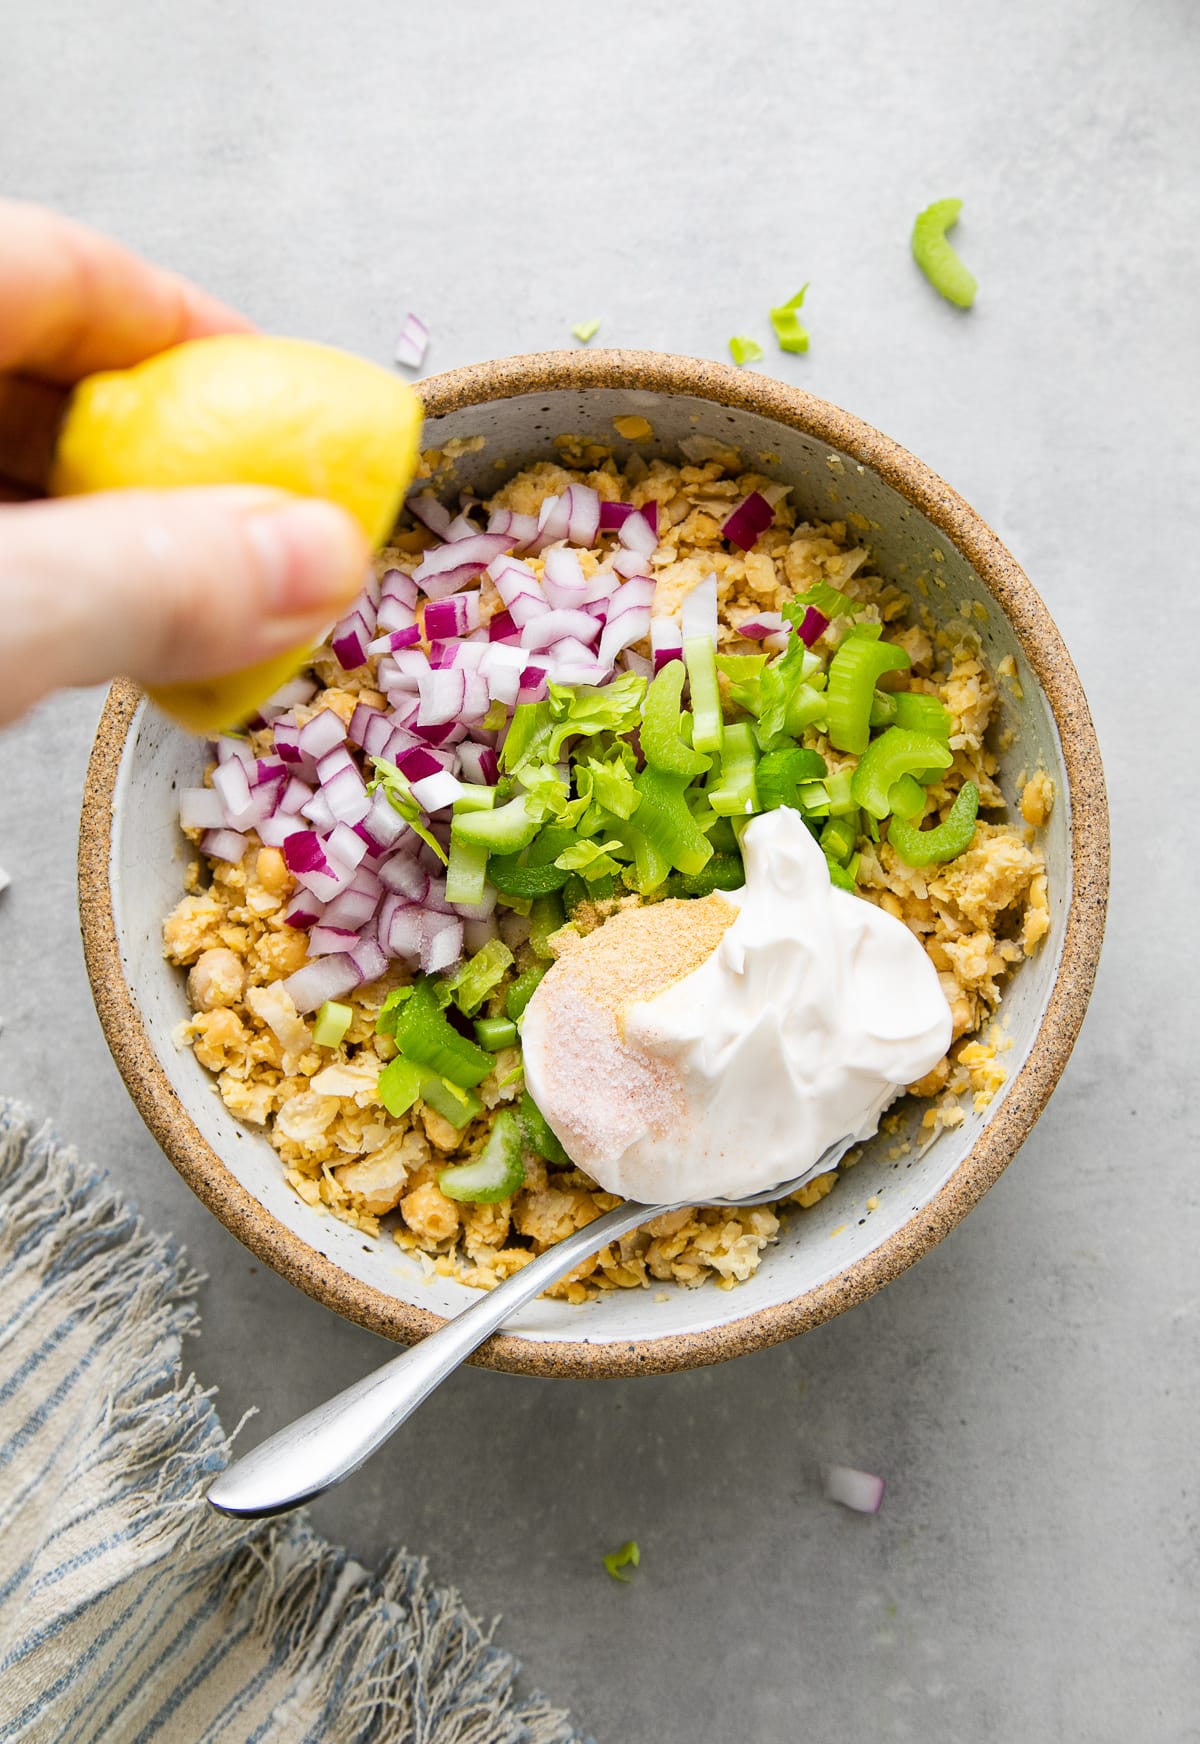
<point x="202" y="1169"/>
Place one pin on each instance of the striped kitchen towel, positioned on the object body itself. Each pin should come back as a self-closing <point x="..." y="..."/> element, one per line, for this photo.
<point x="129" y="1610"/>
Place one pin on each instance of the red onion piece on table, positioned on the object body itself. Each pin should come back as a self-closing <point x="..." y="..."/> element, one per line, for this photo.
<point x="859" y="1490"/>
<point x="412" y="342"/>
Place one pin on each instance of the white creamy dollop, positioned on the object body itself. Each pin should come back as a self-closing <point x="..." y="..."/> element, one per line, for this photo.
<point x="809" y="1017"/>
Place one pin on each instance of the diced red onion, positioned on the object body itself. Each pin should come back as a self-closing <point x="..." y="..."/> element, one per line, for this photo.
<point x="368" y="958"/>
<point x="765" y="624"/>
<point x="322" y="733"/>
<point x="563" y="580"/>
<point x="553" y="519"/>
<point x="620" y="632"/>
<point x="666" y="641"/>
<point x="523" y="529"/>
<point x="512" y="578"/>
<point x="201" y="808"/>
<point x="501" y="627"/>
<point x="403" y="876"/>
<point x="583" y="514"/>
<point x="295" y="796"/>
<point x="294" y="694"/>
<point x="319" y="812"/>
<point x="287" y="742"/>
<point x="552" y="627"/>
<point x="349" y="639"/>
<point x="523" y="607"/>
<point x="223" y="845"/>
<point x="273" y="832"/>
<point x="478" y="929"/>
<point x="748" y="521"/>
<point x="369" y="727"/>
<point x="534" y="685"/>
<point x="452" y="617"/>
<point x="813" y="626"/>
<point x="859" y="1490"/>
<point x="699" y="614"/>
<point x="412" y="342"/>
<point x="383" y="826"/>
<point x="398" y="585"/>
<point x="614" y="515"/>
<point x="403" y="935"/>
<point x="232" y="783"/>
<point x="435" y="792"/>
<point x="637" y="534"/>
<point x="303" y="910"/>
<point x="326" y="978"/>
<point x="478" y="764"/>
<point x="230" y="750"/>
<point x="630" y="563"/>
<point x="347" y="796"/>
<point x="448" y="567"/>
<point x="324" y="940"/>
<point x="430" y="512"/>
<point x="441" y="942"/>
<point x="345" y="847"/>
<point x="351" y="910"/>
<point x="441" y="694"/>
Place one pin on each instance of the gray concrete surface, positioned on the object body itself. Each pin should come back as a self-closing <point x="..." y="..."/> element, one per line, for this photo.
<point x="1029" y="1389"/>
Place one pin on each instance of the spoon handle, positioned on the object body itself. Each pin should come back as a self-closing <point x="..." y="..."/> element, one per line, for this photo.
<point x="328" y="1443"/>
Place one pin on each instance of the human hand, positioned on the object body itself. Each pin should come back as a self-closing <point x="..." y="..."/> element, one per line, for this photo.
<point x="161" y="586"/>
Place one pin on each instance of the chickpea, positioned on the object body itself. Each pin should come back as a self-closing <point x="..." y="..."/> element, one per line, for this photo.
<point x="271" y="870"/>
<point x="217" y="978"/>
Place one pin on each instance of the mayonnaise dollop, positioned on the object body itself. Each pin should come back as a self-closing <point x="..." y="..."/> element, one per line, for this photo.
<point x="812" y="1012"/>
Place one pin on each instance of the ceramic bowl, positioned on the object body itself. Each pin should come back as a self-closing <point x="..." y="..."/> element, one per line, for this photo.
<point x="829" y="1258"/>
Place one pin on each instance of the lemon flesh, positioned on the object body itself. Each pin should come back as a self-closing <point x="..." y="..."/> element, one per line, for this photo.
<point x="245" y="409"/>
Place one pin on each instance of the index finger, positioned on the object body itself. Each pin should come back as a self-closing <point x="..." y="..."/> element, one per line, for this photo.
<point x="73" y="301"/>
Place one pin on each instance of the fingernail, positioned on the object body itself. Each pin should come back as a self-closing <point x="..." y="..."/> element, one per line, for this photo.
<point x="311" y="557"/>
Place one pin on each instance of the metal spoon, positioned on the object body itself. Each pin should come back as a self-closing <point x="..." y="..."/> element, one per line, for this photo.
<point x="324" y="1446"/>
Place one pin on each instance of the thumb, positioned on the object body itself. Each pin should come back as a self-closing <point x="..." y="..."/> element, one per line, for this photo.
<point x="166" y="586"/>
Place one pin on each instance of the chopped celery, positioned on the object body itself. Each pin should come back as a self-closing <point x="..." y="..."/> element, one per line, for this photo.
<point x="466" y="873"/>
<point x="896" y="752"/>
<point x="838" y="838"/>
<point x="840" y="875"/>
<point x="741" y="667"/>
<point x="471" y="983"/>
<point x="731" y="790"/>
<point x="921" y="713"/>
<point x="790" y="333"/>
<point x="936" y="257"/>
<point x="474" y="798"/>
<point x="906" y="798"/>
<point x="723" y="872"/>
<point x="616" y="1560"/>
<point x="883" y="709"/>
<point x="451" y="1101"/>
<point x="496" y="1173"/>
<point x="505" y="830"/>
<point x="425" y="1035"/>
<point x="666" y="824"/>
<point x="537" y="1133"/>
<point x="945" y="841"/>
<point x="779" y="772"/>
<point x="522" y="990"/>
<point x="662" y="742"/>
<point x="612" y="782"/>
<point x="828" y="601"/>
<point x="700" y="657"/>
<point x="744" y="350"/>
<point x="853" y="672"/>
<point x="332" y="1022"/>
<point x="545" y="917"/>
<point x="837" y="788"/>
<point x="591" y="859"/>
<point x="585" y="330"/>
<point x="400" y="1085"/>
<point x="495" y="1033"/>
